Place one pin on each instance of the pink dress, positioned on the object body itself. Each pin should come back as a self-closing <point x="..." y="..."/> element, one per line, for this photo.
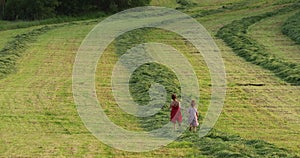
<point x="175" y="112"/>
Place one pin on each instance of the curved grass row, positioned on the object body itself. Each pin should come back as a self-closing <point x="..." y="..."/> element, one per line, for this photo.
<point x="15" y="48"/>
<point x="220" y="144"/>
<point x="235" y="35"/>
<point x="268" y="33"/>
<point x="291" y="28"/>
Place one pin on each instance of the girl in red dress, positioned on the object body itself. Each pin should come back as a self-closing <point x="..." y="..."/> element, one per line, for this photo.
<point x="175" y="111"/>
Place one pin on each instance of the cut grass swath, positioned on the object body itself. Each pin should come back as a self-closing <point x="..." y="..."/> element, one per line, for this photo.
<point x="291" y="28"/>
<point x="14" y="49"/>
<point x="235" y="35"/>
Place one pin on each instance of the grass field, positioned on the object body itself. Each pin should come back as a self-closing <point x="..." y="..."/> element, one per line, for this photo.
<point x="39" y="117"/>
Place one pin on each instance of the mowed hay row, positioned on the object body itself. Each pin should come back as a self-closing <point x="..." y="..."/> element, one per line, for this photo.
<point x="291" y="27"/>
<point x="235" y="35"/>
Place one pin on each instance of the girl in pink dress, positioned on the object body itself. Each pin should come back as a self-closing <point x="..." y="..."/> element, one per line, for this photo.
<point x="175" y="111"/>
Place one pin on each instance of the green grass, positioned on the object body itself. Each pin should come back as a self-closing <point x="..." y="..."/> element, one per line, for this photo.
<point x="148" y="74"/>
<point x="226" y="7"/>
<point x="291" y="28"/>
<point x="8" y="35"/>
<point x="39" y="117"/>
<point x="165" y="3"/>
<point x="218" y="144"/>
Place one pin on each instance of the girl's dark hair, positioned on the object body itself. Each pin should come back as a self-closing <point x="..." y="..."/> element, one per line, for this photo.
<point x="174" y="96"/>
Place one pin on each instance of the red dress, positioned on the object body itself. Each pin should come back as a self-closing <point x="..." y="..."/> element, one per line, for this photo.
<point x="175" y="112"/>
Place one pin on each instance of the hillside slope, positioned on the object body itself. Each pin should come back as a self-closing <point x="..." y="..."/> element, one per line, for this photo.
<point x="261" y="115"/>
